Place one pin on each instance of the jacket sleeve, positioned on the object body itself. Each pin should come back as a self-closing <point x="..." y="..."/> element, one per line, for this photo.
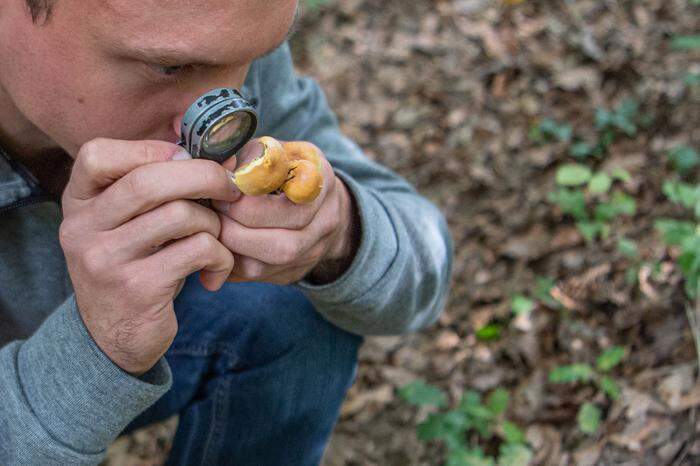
<point x="399" y="279"/>
<point x="62" y="400"/>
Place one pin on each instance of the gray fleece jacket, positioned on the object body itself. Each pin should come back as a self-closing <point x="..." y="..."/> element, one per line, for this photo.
<point x="62" y="401"/>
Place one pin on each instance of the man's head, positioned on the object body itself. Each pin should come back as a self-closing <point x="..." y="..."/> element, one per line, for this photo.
<point x="73" y="70"/>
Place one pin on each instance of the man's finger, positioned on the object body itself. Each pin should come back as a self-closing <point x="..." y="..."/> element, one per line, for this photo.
<point x="273" y="246"/>
<point x="149" y="186"/>
<point x="101" y="162"/>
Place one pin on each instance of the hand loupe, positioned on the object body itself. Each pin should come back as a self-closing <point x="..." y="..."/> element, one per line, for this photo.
<point x="218" y="124"/>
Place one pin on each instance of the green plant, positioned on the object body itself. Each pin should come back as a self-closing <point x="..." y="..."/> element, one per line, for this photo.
<point x="589" y="415"/>
<point x="473" y="422"/>
<point x="586" y="196"/>
<point x="684" y="234"/>
<point x="548" y="130"/>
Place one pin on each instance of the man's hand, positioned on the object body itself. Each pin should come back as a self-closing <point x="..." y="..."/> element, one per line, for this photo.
<point x="277" y="241"/>
<point x="131" y="235"/>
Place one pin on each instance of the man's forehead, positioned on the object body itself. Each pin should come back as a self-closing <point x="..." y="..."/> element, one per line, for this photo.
<point x="215" y="29"/>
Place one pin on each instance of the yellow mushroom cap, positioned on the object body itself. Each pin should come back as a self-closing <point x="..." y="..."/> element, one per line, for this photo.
<point x="304" y="183"/>
<point x="265" y="173"/>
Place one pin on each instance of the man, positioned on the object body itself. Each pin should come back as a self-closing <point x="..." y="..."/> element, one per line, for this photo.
<point x="123" y="301"/>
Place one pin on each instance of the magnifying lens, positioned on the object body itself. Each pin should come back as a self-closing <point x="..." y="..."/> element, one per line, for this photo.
<point x="218" y="124"/>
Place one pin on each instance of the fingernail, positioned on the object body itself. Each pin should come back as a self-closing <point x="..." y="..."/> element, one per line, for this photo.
<point x="221" y="206"/>
<point x="250" y="152"/>
<point x="182" y="154"/>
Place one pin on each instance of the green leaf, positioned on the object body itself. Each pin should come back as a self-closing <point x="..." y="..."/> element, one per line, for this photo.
<point x="675" y="231"/>
<point x="570" y="201"/>
<point x="610" y="358"/>
<point x="468" y="457"/>
<point x="684" y="194"/>
<point x="419" y="393"/>
<point x="581" y="150"/>
<point x="512" y="433"/>
<point x="543" y="287"/>
<point x="588" y="418"/>
<point x="622" y="175"/>
<point x="571" y="373"/>
<point x="600" y="183"/>
<point x="627" y="248"/>
<point x="573" y="174"/>
<point x="683" y="159"/>
<point x="589" y="230"/>
<point x="514" y="454"/>
<point x="692" y="79"/>
<point x="623" y="203"/>
<point x="520" y="304"/>
<point x="686" y="42"/>
<point x="448" y="427"/>
<point x="497" y="401"/>
<point x="610" y="387"/>
<point x="554" y="130"/>
<point x="489" y="332"/>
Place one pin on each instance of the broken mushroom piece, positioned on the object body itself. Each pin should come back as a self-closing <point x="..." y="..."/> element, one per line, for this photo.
<point x="265" y="173"/>
<point x="294" y="168"/>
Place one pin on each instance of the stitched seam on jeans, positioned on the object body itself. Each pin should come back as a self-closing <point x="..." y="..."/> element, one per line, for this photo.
<point x="204" y="350"/>
<point x="217" y="422"/>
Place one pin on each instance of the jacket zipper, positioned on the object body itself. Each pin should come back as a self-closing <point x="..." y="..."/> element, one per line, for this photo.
<point x="26" y="202"/>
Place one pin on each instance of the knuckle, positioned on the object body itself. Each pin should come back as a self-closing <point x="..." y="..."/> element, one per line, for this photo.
<point x="138" y="184"/>
<point x="288" y="253"/>
<point x="205" y="243"/>
<point x="178" y="213"/>
<point x="95" y="258"/>
<point x="89" y="157"/>
<point x="68" y="234"/>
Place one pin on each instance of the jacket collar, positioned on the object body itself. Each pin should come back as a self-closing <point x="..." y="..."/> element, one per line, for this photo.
<point x="13" y="186"/>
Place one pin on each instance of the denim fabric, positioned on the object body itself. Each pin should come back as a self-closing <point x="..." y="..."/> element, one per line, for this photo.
<point x="258" y="377"/>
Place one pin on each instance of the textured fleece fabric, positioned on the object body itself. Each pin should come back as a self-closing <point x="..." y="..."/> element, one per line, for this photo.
<point x="62" y="401"/>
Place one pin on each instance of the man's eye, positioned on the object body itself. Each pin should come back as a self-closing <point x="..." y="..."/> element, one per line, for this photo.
<point x="169" y="70"/>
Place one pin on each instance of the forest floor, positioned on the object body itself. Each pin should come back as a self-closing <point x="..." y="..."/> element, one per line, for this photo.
<point x="480" y="104"/>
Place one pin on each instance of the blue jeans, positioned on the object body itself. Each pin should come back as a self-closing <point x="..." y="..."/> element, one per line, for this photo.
<point x="258" y="377"/>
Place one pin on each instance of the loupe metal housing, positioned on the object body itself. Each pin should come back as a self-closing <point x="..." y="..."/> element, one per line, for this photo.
<point x="218" y="124"/>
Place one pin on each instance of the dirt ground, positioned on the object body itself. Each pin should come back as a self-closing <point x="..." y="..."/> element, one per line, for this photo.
<point x="445" y="92"/>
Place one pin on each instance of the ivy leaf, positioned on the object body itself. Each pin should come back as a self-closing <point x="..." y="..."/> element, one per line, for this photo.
<point x="683" y="159"/>
<point x="610" y="358"/>
<point x="521" y="304"/>
<point x="543" y="288"/>
<point x="589" y="230"/>
<point x="627" y="248"/>
<point x="448" y="427"/>
<point x="622" y="175"/>
<point x="514" y="454"/>
<point x="600" y="183"/>
<point x="623" y="203"/>
<point x="581" y="150"/>
<point x="588" y="418"/>
<point x="489" y="332"/>
<point x="686" y="42"/>
<point x="512" y="433"/>
<point x="573" y="174"/>
<point x="610" y="387"/>
<point x="497" y="401"/>
<point x="419" y="393"/>
<point x="675" y="231"/>
<point x="571" y="373"/>
<point x="570" y="201"/>
<point x="468" y="457"/>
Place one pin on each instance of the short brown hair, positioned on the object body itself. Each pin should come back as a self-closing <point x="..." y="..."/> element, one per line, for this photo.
<point x="39" y="8"/>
